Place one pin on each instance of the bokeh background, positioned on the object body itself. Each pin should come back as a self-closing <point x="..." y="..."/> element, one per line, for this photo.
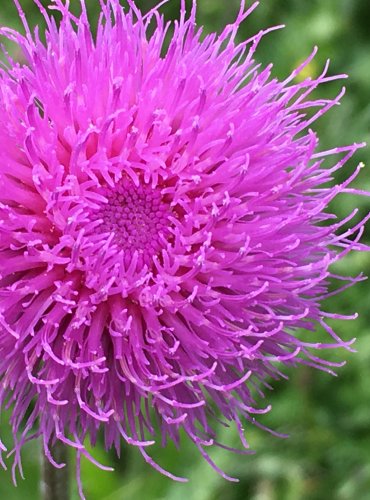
<point x="327" y="456"/>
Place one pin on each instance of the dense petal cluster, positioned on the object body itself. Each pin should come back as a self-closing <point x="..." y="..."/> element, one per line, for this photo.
<point x="163" y="228"/>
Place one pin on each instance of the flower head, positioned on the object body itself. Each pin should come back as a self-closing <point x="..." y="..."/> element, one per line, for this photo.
<point x="163" y="224"/>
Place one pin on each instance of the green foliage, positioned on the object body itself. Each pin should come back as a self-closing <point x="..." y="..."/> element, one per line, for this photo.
<point x="328" y="419"/>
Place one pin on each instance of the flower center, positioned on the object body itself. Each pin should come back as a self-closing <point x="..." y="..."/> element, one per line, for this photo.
<point x="138" y="218"/>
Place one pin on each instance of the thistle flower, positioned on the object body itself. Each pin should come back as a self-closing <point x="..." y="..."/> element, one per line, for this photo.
<point x="164" y="233"/>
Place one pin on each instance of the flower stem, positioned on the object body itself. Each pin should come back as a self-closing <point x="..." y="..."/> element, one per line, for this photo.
<point x="55" y="482"/>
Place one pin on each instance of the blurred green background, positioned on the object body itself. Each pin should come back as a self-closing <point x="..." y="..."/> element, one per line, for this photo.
<point x="328" y="453"/>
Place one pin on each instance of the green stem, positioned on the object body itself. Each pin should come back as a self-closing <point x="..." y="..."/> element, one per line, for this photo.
<point x="55" y="482"/>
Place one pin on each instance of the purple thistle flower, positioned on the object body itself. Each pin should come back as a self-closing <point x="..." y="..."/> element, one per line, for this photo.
<point x="163" y="226"/>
